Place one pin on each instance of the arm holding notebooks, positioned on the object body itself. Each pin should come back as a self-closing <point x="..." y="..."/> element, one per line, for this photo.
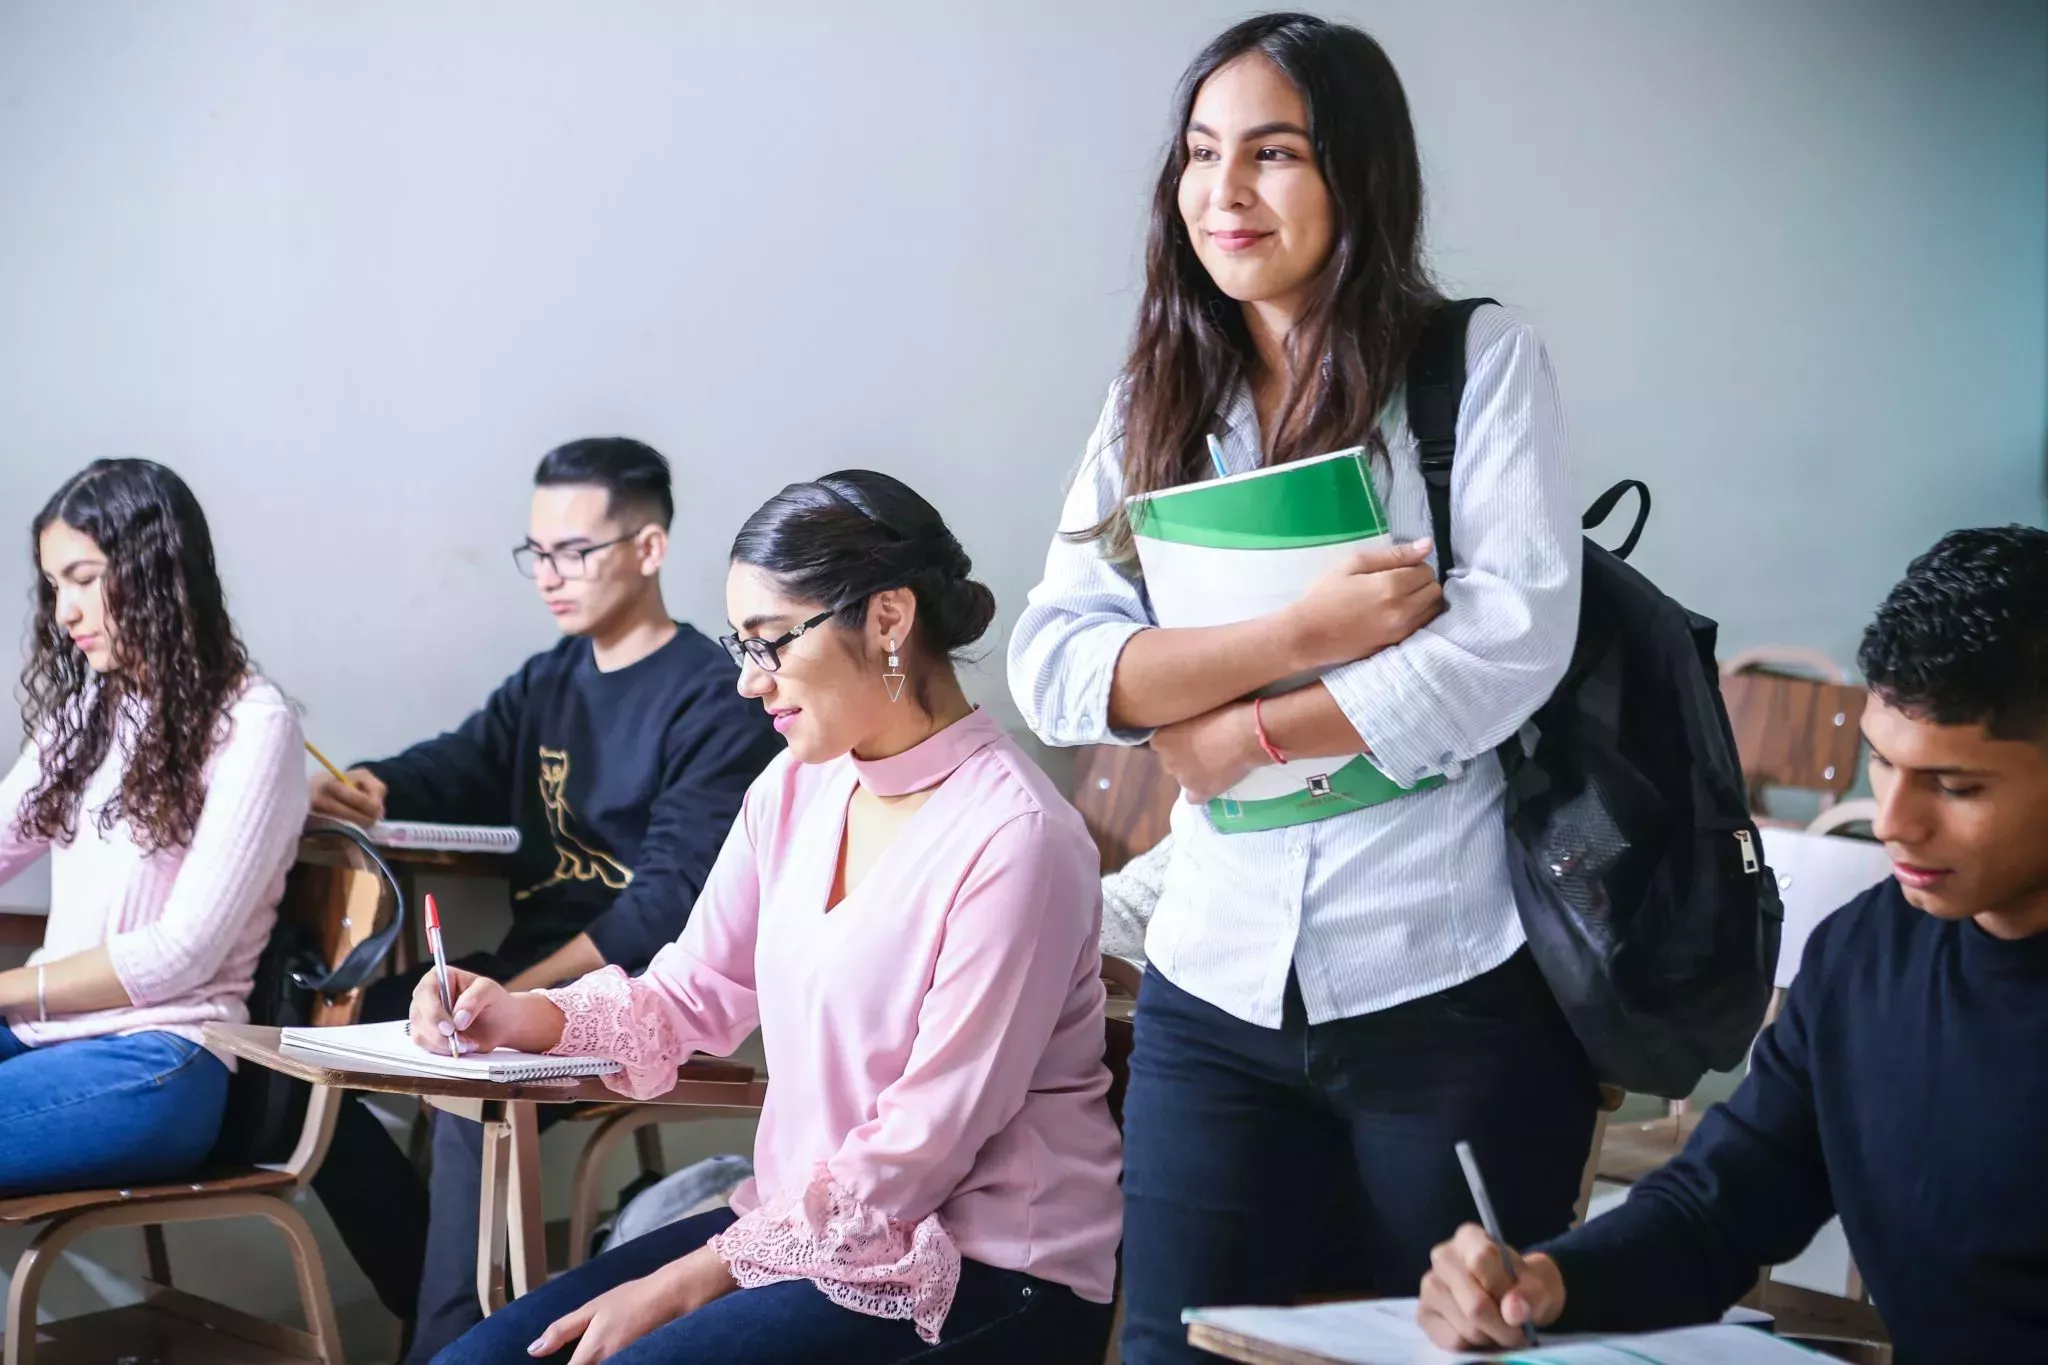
<point x="1089" y="665"/>
<point x="1466" y="681"/>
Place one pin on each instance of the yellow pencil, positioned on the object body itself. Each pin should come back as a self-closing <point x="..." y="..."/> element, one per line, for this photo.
<point x="325" y="762"/>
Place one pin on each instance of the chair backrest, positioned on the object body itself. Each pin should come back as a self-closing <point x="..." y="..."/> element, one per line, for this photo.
<point x="1791" y="731"/>
<point x="331" y="904"/>
<point x="1126" y="798"/>
<point x="339" y="904"/>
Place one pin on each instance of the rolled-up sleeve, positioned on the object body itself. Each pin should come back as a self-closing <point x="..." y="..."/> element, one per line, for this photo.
<point x="1458" y="687"/>
<point x="1076" y="622"/>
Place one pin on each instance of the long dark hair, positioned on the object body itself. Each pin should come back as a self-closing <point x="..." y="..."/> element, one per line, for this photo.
<point x="841" y="539"/>
<point x="1347" y="351"/>
<point x="179" y="662"/>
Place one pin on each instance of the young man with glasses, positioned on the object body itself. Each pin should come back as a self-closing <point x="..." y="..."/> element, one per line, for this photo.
<point x="621" y="755"/>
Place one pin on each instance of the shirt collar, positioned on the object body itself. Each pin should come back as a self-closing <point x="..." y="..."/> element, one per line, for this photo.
<point x="932" y="761"/>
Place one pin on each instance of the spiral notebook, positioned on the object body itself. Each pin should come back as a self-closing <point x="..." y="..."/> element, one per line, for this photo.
<point x="389" y="1048"/>
<point x="421" y="834"/>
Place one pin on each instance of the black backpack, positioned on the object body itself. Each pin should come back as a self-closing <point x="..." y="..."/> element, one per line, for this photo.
<point x="1638" y="872"/>
<point x="267" y="1109"/>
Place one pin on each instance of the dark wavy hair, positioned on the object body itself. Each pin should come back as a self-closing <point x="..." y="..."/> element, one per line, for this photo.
<point x="1347" y="352"/>
<point x="178" y="661"/>
<point x="841" y="539"/>
<point x="1963" y="638"/>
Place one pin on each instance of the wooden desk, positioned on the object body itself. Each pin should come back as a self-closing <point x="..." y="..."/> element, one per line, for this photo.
<point x="1231" y="1346"/>
<point x="509" y="1225"/>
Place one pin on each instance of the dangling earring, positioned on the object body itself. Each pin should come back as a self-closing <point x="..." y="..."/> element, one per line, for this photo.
<point x="893" y="678"/>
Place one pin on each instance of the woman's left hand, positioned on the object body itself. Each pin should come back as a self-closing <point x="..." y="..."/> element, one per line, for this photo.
<point x="1209" y="754"/>
<point x="617" y="1318"/>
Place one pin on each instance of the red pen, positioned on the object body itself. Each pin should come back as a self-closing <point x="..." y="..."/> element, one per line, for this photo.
<point x="441" y="968"/>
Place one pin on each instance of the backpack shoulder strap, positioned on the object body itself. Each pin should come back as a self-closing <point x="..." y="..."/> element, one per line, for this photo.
<point x="1436" y="385"/>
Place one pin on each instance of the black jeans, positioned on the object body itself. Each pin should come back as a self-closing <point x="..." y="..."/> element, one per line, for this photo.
<point x="1261" y="1163"/>
<point x="999" y="1317"/>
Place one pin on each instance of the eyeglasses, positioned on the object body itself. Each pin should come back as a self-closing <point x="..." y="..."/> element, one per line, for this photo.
<point x="563" y="563"/>
<point x="766" y="654"/>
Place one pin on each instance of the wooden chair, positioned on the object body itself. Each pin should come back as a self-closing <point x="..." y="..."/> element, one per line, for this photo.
<point x="341" y="903"/>
<point x="1126" y="798"/>
<point x="611" y="1125"/>
<point x="1791" y="730"/>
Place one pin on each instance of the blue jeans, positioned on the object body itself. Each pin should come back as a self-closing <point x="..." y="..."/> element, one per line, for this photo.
<point x="999" y="1317"/>
<point x="136" y="1110"/>
<point x="1260" y="1164"/>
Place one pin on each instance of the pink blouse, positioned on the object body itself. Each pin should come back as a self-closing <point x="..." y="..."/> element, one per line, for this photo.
<point x="934" y="1042"/>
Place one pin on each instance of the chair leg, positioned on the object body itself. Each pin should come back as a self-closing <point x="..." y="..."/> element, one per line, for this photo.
<point x="583" y="1183"/>
<point x="35" y="1263"/>
<point x="1591" y="1170"/>
<point x="316" y="1300"/>
<point x="647" y="1143"/>
<point x="157" y="1254"/>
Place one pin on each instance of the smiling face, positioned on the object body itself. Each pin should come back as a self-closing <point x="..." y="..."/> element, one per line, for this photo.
<point x="1964" y="817"/>
<point x="826" y="696"/>
<point x="76" y="570"/>
<point x="1251" y="196"/>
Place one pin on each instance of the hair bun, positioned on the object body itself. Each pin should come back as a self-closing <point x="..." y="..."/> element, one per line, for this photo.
<point x="964" y="609"/>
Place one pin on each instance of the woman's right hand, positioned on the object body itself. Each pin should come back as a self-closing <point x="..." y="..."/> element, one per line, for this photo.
<point x="1376" y="598"/>
<point x="486" y="1015"/>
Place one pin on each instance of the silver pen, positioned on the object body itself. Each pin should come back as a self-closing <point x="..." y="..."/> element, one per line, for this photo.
<point x="1489" y="1221"/>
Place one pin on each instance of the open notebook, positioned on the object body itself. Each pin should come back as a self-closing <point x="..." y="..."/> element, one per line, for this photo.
<point x="1384" y="1332"/>
<point x="445" y="838"/>
<point x="389" y="1048"/>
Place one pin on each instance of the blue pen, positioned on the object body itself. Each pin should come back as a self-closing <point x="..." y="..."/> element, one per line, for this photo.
<point x="1216" y="457"/>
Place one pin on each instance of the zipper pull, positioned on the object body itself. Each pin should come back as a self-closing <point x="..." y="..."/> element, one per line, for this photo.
<point x="1749" y="859"/>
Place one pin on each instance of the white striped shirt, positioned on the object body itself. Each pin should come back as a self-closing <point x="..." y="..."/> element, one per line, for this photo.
<point x="1399" y="900"/>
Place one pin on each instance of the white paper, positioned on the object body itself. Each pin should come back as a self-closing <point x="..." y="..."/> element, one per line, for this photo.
<point x="1384" y="1332"/>
<point x="390" y="1050"/>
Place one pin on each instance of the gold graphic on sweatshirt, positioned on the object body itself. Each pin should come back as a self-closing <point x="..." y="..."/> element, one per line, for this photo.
<point x="575" y="861"/>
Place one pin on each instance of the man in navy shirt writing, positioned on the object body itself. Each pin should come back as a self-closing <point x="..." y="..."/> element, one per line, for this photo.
<point x="621" y="755"/>
<point x="1905" y="1084"/>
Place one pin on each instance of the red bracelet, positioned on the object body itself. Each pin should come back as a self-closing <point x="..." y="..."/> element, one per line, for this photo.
<point x="1259" y="728"/>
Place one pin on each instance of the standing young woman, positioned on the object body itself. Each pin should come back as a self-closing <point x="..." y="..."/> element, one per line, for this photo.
<point x="907" y="909"/>
<point x="1329" y="1007"/>
<point x="167" y="783"/>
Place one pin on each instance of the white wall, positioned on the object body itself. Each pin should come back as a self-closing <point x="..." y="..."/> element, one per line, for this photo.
<point x="351" y="267"/>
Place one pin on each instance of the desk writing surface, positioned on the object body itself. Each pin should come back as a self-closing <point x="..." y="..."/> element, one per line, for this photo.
<point x="701" y="1082"/>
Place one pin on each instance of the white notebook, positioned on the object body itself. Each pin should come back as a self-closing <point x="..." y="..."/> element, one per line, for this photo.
<point x="445" y="838"/>
<point x="1384" y="1332"/>
<point x="389" y="1048"/>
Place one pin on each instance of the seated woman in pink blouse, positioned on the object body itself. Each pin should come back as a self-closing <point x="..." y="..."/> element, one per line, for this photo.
<point x="908" y="910"/>
<point x="167" y="784"/>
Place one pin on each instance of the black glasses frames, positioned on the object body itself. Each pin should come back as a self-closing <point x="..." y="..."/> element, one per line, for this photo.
<point x="766" y="655"/>
<point x="529" y="557"/>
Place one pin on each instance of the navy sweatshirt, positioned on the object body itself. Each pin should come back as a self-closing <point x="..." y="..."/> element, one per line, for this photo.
<point x="1905" y="1087"/>
<point x="622" y="785"/>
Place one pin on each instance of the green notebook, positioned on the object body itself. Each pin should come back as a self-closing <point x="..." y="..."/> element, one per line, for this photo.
<point x="1228" y="550"/>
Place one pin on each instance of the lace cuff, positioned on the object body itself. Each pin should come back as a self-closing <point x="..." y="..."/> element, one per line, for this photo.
<point x="858" y="1256"/>
<point x="608" y="1014"/>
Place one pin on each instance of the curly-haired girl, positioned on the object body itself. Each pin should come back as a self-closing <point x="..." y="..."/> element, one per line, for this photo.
<point x="165" y="780"/>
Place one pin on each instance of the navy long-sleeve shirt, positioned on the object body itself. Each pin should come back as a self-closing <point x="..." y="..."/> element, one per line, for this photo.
<point x="623" y="785"/>
<point x="1904" y="1087"/>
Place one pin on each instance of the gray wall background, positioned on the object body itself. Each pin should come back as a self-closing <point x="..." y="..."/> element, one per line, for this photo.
<point x="352" y="267"/>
